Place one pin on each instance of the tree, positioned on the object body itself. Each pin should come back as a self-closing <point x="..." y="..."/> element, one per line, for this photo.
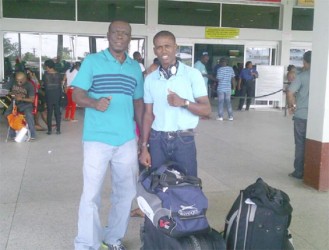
<point x="10" y="49"/>
<point x="28" y="56"/>
<point x="66" y="54"/>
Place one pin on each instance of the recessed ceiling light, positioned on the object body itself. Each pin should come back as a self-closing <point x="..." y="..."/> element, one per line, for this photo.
<point x="203" y="10"/>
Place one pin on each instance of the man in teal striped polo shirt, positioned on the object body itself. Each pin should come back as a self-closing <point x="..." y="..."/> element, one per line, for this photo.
<point x="110" y="87"/>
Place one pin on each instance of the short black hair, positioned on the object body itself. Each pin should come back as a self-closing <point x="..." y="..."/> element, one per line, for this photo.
<point x="119" y="20"/>
<point x="291" y="66"/>
<point x="136" y="53"/>
<point x="164" y="33"/>
<point x="307" y="56"/>
<point x="247" y="63"/>
<point x="50" y="64"/>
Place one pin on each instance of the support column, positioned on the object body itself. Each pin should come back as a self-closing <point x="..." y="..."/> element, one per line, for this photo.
<point x="316" y="170"/>
<point x="152" y="22"/>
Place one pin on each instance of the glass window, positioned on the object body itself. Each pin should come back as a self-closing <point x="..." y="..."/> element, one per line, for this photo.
<point x="30" y="51"/>
<point x="40" y="9"/>
<point x="137" y="44"/>
<point x="22" y="50"/>
<point x="11" y="53"/>
<point x="59" y="48"/>
<point x="82" y="49"/>
<point x="107" y="10"/>
<point x="188" y="13"/>
<point x="296" y="57"/>
<point x="259" y="56"/>
<point x="250" y="16"/>
<point x="101" y="43"/>
<point x="233" y="52"/>
<point x="184" y="54"/>
<point x="302" y="19"/>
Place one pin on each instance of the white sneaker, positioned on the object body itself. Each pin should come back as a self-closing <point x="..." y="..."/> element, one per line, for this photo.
<point x="219" y="118"/>
<point x="230" y="118"/>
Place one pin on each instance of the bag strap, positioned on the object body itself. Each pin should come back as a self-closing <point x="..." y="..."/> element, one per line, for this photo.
<point x="160" y="177"/>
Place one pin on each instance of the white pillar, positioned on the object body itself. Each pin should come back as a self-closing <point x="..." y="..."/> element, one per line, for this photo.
<point x="316" y="170"/>
<point x="286" y="32"/>
<point x="318" y="116"/>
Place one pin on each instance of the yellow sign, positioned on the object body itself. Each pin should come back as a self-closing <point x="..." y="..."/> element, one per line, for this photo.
<point x="226" y="33"/>
<point x="306" y="2"/>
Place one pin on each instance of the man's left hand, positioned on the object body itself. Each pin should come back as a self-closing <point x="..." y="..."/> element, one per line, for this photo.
<point x="174" y="99"/>
<point x="18" y="98"/>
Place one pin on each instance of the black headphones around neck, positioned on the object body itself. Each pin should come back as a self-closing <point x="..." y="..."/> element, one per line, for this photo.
<point x="167" y="73"/>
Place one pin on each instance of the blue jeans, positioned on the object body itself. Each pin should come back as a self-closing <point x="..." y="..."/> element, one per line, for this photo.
<point x="224" y="97"/>
<point x="173" y="146"/>
<point x="300" y="136"/>
<point x="123" y="164"/>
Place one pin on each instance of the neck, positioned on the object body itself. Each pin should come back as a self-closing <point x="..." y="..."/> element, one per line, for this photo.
<point x="166" y="66"/>
<point x="121" y="56"/>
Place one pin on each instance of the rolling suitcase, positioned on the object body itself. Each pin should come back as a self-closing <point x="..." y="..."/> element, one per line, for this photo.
<point x="154" y="239"/>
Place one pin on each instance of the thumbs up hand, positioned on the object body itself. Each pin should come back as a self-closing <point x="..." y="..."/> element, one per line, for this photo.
<point x="174" y="99"/>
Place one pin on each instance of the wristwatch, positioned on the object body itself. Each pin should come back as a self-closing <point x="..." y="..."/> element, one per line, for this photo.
<point x="186" y="103"/>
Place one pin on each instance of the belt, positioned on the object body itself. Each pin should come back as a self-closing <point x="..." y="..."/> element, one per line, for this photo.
<point x="172" y="134"/>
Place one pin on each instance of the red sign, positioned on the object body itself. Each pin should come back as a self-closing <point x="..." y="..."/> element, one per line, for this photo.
<point x="272" y="1"/>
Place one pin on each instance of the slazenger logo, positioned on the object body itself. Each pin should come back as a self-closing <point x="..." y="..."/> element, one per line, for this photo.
<point x="188" y="211"/>
<point x="164" y="224"/>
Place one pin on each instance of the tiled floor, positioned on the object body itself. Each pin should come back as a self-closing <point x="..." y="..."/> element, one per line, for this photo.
<point x="41" y="181"/>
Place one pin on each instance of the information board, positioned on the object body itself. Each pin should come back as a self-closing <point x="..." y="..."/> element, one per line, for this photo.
<point x="270" y="80"/>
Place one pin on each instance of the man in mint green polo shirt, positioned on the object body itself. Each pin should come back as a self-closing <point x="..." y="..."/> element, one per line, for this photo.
<point x="109" y="86"/>
<point x="174" y="97"/>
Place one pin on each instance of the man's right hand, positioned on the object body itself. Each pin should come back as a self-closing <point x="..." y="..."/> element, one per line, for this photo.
<point x="145" y="157"/>
<point x="103" y="103"/>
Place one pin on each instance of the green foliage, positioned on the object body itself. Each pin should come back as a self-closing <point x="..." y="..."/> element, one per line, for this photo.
<point x="10" y="49"/>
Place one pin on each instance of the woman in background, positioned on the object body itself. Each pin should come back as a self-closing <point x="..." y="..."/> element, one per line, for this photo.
<point x="291" y="74"/>
<point x="68" y="78"/>
<point x="52" y="81"/>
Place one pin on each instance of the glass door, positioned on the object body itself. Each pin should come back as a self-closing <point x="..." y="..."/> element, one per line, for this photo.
<point x="260" y="55"/>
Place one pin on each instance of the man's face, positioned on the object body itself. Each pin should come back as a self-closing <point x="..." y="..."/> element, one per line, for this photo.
<point x="20" y="79"/>
<point x="165" y="49"/>
<point x="119" y="36"/>
<point x="139" y="58"/>
<point x="205" y="59"/>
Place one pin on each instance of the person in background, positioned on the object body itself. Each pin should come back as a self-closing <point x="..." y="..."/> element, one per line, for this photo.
<point x="68" y="79"/>
<point x="35" y="82"/>
<point x="138" y="57"/>
<point x="216" y="67"/>
<point x="109" y="85"/>
<point x="175" y="96"/>
<point x="291" y="74"/>
<point x="23" y="93"/>
<point x="298" y="97"/>
<point x="52" y="82"/>
<point x="201" y="66"/>
<point x="154" y="66"/>
<point x="246" y="84"/>
<point x="226" y="82"/>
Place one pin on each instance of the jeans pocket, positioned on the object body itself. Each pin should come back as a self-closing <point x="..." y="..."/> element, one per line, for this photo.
<point x="186" y="139"/>
<point x="154" y="135"/>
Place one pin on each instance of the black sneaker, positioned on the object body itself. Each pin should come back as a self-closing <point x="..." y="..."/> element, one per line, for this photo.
<point x="297" y="176"/>
<point x="113" y="247"/>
